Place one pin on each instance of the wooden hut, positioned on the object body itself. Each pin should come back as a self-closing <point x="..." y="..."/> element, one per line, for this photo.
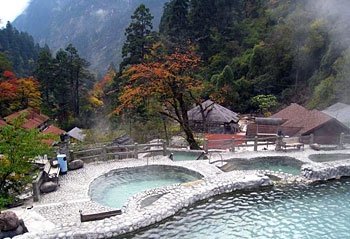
<point x="210" y="117"/>
<point x="326" y="129"/>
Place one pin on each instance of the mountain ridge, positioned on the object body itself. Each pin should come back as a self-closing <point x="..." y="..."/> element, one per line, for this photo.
<point x="95" y="27"/>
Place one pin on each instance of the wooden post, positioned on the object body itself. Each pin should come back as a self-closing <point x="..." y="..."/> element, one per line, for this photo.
<point x="279" y="141"/>
<point x="136" y="153"/>
<point x="205" y="146"/>
<point x="256" y="143"/>
<point x="232" y="145"/>
<point x="71" y="155"/>
<point x="341" y="141"/>
<point x="104" y="152"/>
<point x="36" y="186"/>
<point x="312" y="139"/>
<point x="164" y="149"/>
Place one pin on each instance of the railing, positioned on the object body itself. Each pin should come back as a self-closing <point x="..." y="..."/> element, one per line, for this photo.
<point x="213" y="153"/>
<point x="118" y="152"/>
<point x="232" y="144"/>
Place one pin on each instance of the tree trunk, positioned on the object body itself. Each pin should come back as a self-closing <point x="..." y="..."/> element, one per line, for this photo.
<point x="190" y="138"/>
<point x="185" y="124"/>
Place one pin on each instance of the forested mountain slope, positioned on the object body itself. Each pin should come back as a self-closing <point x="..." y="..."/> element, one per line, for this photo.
<point x="296" y="50"/>
<point x="19" y="48"/>
<point x="95" y="27"/>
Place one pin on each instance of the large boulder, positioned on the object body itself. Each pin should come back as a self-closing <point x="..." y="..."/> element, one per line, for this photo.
<point x="21" y="229"/>
<point x="75" y="164"/>
<point x="8" y="221"/>
<point x="48" y="187"/>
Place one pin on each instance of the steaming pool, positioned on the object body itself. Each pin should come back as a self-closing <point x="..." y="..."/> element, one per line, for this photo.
<point x="116" y="187"/>
<point x="278" y="164"/>
<point x="322" y="158"/>
<point x="187" y="155"/>
<point x="320" y="211"/>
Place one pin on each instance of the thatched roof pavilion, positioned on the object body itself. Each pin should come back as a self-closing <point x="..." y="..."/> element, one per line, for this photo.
<point x="217" y="119"/>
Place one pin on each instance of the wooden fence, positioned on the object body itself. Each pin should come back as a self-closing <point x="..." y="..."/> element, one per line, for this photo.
<point x="233" y="144"/>
<point x="107" y="152"/>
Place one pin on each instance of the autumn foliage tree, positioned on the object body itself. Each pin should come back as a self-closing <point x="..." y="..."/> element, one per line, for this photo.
<point x="17" y="94"/>
<point x="167" y="84"/>
<point x="97" y="95"/>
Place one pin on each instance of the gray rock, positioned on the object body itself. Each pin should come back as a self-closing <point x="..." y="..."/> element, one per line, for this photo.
<point x="315" y="147"/>
<point x="75" y="164"/>
<point x="8" y="221"/>
<point x="48" y="187"/>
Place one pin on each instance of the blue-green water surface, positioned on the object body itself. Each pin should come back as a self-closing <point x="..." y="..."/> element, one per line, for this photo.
<point x="115" y="188"/>
<point x="321" y="211"/>
<point x="185" y="156"/>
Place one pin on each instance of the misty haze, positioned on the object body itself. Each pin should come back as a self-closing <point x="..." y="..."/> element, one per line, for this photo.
<point x="174" y="119"/>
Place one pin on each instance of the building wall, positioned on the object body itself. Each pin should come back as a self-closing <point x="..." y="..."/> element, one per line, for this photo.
<point x="329" y="133"/>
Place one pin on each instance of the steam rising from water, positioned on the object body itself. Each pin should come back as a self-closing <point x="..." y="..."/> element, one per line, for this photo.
<point x="337" y="16"/>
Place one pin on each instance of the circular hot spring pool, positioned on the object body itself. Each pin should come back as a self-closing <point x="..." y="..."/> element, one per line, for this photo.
<point x="114" y="188"/>
<point x="274" y="163"/>
<point x="322" y="158"/>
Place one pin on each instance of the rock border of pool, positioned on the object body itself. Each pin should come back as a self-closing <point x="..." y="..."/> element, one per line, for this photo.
<point x="173" y="198"/>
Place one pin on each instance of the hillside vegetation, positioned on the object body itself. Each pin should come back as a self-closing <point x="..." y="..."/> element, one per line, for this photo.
<point x="252" y="56"/>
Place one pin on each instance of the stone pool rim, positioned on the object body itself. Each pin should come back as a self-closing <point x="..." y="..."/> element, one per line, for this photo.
<point x="214" y="183"/>
<point x="153" y="167"/>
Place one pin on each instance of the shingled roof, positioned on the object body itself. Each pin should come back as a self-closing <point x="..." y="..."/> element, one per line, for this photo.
<point x="214" y="113"/>
<point x="306" y="120"/>
<point x="33" y="119"/>
<point x="2" y="122"/>
<point x="51" y="129"/>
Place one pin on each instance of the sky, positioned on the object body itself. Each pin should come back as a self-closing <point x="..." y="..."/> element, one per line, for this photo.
<point x="10" y="9"/>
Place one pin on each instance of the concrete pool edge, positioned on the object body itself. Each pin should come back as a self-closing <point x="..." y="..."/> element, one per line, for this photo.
<point x="181" y="196"/>
<point x="177" y="198"/>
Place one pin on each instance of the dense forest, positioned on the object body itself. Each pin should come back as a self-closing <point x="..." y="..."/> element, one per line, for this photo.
<point x="252" y="56"/>
<point x="20" y="49"/>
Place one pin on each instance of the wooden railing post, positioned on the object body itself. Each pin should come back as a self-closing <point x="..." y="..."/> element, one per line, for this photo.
<point x="136" y="153"/>
<point x="232" y="145"/>
<point x="256" y="143"/>
<point x="104" y="152"/>
<point x="279" y="141"/>
<point x="312" y="139"/>
<point x="205" y="146"/>
<point x="164" y="149"/>
<point x="341" y="141"/>
<point x="71" y="155"/>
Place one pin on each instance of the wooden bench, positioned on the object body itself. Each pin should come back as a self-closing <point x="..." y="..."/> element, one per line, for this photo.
<point x="98" y="216"/>
<point x="292" y="142"/>
<point x="52" y="171"/>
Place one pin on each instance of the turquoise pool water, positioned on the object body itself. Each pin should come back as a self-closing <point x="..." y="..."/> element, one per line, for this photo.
<point x="321" y="211"/>
<point x="321" y="158"/>
<point x="116" y="187"/>
<point x="277" y="164"/>
<point x="184" y="156"/>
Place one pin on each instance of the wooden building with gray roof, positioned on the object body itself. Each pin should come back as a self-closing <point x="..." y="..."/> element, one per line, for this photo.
<point x="210" y="117"/>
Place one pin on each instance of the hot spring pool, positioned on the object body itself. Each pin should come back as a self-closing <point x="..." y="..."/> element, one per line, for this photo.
<point x="114" y="188"/>
<point x="187" y="155"/>
<point x="320" y="211"/>
<point x="278" y="164"/>
<point x="321" y="158"/>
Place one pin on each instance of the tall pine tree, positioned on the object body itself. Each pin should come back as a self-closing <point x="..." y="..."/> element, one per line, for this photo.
<point x="175" y="24"/>
<point x="138" y="37"/>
